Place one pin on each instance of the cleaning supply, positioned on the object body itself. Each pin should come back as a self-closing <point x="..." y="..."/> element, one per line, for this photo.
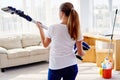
<point x="101" y="71"/>
<point x="106" y="69"/>
<point x="106" y="64"/>
<point x="107" y="73"/>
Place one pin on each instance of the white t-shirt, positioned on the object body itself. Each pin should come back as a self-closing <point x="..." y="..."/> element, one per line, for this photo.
<point x="61" y="47"/>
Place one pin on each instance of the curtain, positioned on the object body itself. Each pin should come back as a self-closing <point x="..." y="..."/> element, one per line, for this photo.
<point x="45" y="11"/>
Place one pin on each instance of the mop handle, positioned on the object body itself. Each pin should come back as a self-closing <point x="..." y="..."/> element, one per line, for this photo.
<point x="112" y="32"/>
<point x="114" y="23"/>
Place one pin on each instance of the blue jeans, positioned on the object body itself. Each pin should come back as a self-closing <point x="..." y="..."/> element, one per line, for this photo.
<point x="68" y="73"/>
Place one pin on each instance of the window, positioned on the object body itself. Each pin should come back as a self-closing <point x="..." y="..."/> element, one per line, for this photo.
<point x="104" y="14"/>
<point x="101" y="15"/>
<point x="40" y="10"/>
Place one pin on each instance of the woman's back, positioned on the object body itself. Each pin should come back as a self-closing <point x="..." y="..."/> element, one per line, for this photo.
<point x="61" y="50"/>
<point x="62" y="44"/>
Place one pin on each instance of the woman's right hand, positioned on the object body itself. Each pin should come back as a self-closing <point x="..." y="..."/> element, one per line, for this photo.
<point x="38" y="24"/>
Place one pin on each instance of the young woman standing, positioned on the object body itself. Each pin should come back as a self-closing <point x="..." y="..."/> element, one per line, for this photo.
<point x="63" y="36"/>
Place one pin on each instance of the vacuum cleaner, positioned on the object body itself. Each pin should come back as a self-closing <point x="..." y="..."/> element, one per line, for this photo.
<point x="12" y="10"/>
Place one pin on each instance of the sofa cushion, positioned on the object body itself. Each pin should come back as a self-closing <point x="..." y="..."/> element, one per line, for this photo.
<point x="3" y="50"/>
<point x="10" y="41"/>
<point x="30" y="40"/>
<point x="19" y="52"/>
<point x="37" y="50"/>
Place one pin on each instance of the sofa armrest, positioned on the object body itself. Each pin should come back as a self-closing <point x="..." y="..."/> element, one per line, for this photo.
<point x="3" y="56"/>
<point x="3" y="50"/>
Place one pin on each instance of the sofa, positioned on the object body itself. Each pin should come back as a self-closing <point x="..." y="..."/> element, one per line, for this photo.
<point x="21" y="49"/>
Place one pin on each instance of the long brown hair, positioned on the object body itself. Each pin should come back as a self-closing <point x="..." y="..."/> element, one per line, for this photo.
<point x="73" y="22"/>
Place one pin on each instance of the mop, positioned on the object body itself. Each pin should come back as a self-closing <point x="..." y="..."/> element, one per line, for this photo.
<point x="111" y="35"/>
<point x="106" y="70"/>
<point x="12" y="10"/>
<point x="112" y="31"/>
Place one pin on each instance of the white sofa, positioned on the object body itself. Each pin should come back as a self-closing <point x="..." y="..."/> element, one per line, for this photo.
<point x="22" y="49"/>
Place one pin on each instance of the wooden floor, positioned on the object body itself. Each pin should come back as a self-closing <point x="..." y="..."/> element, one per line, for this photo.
<point x="38" y="71"/>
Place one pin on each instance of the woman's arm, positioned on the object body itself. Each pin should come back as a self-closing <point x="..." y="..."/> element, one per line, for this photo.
<point x="79" y="48"/>
<point x="45" y="41"/>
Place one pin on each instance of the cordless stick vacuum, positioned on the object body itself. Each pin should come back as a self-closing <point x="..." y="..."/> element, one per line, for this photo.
<point x="12" y="10"/>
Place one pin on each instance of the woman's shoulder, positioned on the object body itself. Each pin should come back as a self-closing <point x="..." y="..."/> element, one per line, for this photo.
<point x="54" y="25"/>
<point x="57" y="26"/>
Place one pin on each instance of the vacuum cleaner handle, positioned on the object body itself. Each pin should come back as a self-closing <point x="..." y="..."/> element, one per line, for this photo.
<point x="43" y="26"/>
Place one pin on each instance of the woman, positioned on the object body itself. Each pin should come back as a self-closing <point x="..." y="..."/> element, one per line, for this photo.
<point x="63" y="36"/>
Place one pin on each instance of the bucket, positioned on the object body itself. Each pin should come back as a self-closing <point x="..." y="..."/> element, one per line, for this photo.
<point x="107" y="73"/>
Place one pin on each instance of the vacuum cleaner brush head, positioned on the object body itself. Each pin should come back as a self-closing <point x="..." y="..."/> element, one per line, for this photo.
<point x="8" y="9"/>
